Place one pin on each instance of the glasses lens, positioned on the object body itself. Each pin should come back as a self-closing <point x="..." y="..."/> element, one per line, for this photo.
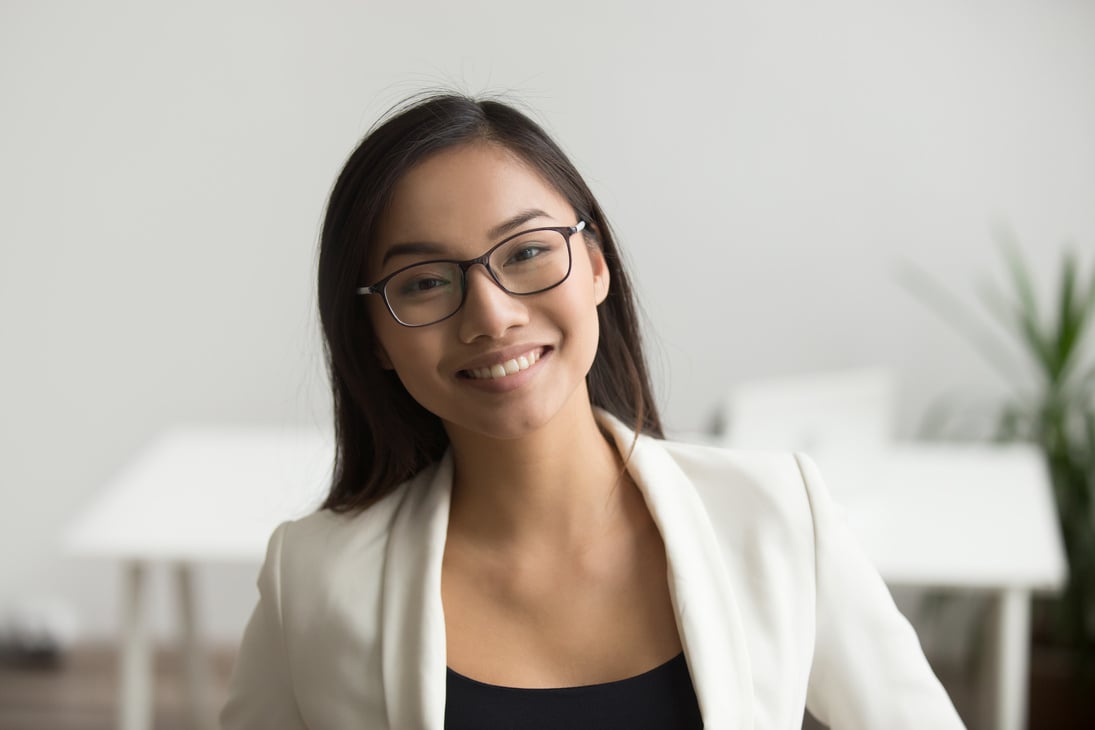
<point x="426" y="293"/>
<point x="532" y="262"/>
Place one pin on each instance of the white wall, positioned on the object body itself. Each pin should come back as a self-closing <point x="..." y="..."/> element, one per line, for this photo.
<point x="163" y="168"/>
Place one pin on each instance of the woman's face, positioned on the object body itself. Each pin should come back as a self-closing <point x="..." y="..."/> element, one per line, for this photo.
<point x="455" y="203"/>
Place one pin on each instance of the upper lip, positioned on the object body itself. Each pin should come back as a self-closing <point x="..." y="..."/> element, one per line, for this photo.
<point x="497" y="357"/>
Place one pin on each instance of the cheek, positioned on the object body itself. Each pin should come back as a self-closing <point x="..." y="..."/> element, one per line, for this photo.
<point x="397" y="351"/>
<point x="586" y="297"/>
<point x="581" y="312"/>
<point x="394" y="344"/>
<point x="418" y="380"/>
<point x="413" y="354"/>
<point x="381" y="326"/>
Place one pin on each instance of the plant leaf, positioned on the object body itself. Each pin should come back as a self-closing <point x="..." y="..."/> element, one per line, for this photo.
<point x="1070" y="318"/>
<point x="1084" y="391"/>
<point x="1089" y="299"/>
<point x="956" y="315"/>
<point x="1003" y="314"/>
<point x="1089" y="428"/>
<point x="1026" y="310"/>
<point x="1084" y="317"/>
<point x="1011" y="425"/>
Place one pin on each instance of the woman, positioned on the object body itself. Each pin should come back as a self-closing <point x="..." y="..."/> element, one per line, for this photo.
<point x="508" y="542"/>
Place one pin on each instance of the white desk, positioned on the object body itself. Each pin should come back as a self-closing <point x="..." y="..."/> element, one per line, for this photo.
<point x="953" y="515"/>
<point x="964" y="516"/>
<point x="960" y="516"/>
<point x="195" y="495"/>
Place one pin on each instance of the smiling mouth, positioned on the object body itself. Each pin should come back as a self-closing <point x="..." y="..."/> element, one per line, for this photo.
<point x="505" y="369"/>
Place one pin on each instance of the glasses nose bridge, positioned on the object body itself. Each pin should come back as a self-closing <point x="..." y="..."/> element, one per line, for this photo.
<point x="484" y="261"/>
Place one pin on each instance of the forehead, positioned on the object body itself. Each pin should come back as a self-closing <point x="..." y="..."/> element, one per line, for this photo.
<point x="456" y="196"/>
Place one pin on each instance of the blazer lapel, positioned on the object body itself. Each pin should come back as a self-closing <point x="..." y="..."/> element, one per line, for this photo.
<point x="412" y="621"/>
<point x="707" y="614"/>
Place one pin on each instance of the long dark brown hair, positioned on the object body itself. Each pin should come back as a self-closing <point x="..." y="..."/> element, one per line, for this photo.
<point x="383" y="436"/>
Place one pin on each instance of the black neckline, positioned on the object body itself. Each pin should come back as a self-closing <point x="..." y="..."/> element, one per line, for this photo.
<point x="671" y="663"/>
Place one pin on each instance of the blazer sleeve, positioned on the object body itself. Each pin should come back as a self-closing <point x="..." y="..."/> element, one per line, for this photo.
<point x="261" y="690"/>
<point x="868" y="668"/>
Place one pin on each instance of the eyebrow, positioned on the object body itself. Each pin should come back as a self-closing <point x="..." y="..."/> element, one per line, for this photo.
<point x="516" y="221"/>
<point x="418" y="248"/>
<point x="410" y="249"/>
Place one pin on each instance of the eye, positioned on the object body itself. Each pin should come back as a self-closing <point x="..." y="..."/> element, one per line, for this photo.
<point x="525" y="253"/>
<point x="422" y="284"/>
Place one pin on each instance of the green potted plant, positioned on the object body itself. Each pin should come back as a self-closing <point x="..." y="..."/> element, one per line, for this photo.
<point x="1051" y="404"/>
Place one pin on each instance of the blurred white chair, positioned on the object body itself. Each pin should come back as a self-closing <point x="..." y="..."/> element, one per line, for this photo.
<point x="814" y="412"/>
<point x="842" y="419"/>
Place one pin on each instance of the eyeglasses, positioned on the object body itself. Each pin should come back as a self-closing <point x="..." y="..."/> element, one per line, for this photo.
<point x="529" y="262"/>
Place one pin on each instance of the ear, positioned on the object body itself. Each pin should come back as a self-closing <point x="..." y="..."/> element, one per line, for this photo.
<point x="600" y="273"/>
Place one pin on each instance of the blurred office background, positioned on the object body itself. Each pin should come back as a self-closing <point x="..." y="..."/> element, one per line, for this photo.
<point x="771" y="170"/>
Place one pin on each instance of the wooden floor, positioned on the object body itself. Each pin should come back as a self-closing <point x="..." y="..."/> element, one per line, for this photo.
<point x="81" y="692"/>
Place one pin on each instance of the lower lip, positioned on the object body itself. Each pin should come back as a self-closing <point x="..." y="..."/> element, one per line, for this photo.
<point x="510" y="382"/>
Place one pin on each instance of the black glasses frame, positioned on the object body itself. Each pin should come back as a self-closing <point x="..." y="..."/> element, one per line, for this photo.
<point x="380" y="287"/>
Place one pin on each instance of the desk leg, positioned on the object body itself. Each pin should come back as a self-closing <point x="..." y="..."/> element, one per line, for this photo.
<point x="135" y="689"/>
<point x="1011" y="637"/>
<point x="194" y="663"/>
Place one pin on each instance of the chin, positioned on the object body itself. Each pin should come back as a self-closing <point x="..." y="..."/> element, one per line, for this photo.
<point x="505" y="424"/>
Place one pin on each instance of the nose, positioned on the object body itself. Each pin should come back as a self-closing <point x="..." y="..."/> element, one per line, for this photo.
<point x="488" y="311"/>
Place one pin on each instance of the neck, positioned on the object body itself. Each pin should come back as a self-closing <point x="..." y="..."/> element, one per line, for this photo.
<point x="557" y="488"/>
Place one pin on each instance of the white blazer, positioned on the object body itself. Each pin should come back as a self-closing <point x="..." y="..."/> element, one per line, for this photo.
<point x="777" y="607"/>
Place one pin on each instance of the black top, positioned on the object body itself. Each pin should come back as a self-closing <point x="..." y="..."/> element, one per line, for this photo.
<point x="662" y="698"/>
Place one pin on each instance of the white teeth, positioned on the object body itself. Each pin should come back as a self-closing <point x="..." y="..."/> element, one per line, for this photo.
<point x="509" y="367"/>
